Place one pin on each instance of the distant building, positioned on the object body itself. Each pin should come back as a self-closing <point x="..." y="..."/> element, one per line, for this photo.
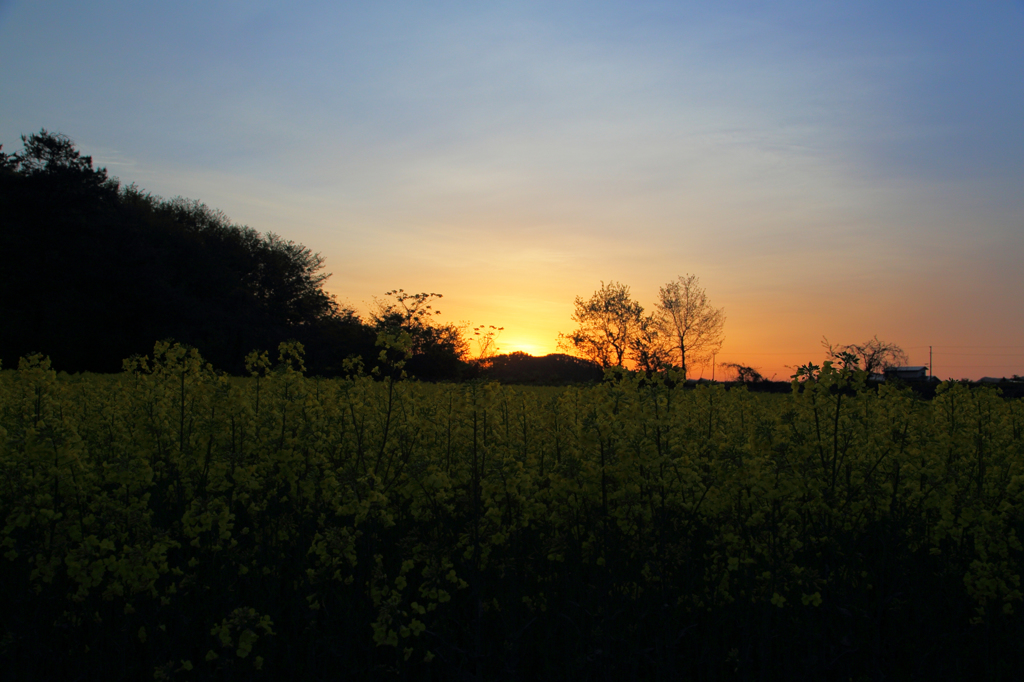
<point x="907" y="373"/>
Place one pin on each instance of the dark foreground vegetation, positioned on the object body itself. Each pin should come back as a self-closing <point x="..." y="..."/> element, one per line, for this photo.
<point x="168" y="522"/>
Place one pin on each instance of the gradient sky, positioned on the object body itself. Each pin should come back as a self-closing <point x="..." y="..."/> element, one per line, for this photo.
<point x="831" y="169"/>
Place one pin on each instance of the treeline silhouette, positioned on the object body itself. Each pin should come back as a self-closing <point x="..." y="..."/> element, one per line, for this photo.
<point x="93" y="271"/>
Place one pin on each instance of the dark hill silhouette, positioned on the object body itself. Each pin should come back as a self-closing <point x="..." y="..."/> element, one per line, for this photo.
<point x="557" y="368"/>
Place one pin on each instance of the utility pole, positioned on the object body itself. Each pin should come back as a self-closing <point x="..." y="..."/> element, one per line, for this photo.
<point x="931" y="374"/>
<point x="712" y="366"/>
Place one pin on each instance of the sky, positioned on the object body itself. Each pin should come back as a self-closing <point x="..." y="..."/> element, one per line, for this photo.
<point x="827" y="169"/>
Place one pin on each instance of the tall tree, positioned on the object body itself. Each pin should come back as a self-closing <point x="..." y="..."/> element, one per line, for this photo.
<point x="607" y="326"/>
<point x="55" y="155"/>
<point x="687" y="318"/>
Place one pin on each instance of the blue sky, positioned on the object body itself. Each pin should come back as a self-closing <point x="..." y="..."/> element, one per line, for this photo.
<point x="827" y="169"/>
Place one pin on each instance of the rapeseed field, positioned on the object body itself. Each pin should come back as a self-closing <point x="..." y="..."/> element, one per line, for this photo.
<point x="169" y="522"/>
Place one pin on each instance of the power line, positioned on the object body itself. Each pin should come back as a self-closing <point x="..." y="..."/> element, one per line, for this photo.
<point x="980" y="347"/>
<point x="983" y="355"/>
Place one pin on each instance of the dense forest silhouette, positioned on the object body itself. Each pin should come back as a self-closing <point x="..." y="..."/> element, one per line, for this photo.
<point x="93" y="271"/>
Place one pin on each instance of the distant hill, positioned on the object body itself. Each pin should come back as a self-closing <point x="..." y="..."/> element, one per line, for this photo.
<point x="553" y="369"/>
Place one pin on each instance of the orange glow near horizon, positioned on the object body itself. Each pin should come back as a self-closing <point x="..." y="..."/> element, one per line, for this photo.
<point x="822" y="177"/>
<point x="773" y="339"/>
<point x="524" y="345"/>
